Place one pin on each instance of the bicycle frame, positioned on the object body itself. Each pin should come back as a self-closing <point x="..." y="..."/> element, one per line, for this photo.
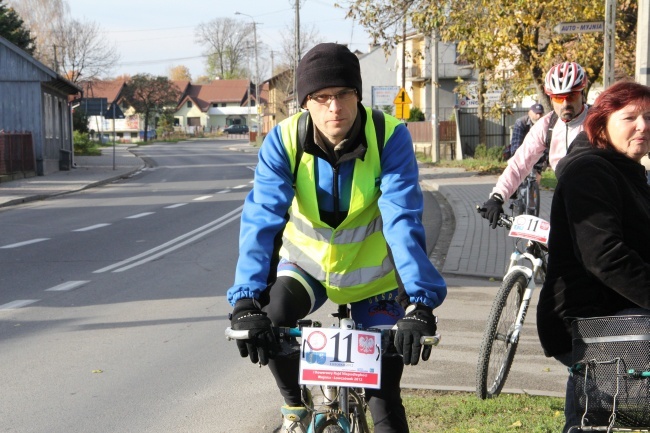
<point x="516" y="258"/>
<point x="529" y="189"/>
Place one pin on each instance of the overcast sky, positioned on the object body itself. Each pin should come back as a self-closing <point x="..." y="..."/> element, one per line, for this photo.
<point x="154" y="35"/>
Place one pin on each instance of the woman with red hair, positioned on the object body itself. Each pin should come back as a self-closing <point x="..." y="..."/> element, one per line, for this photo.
<point x="599" y="245"/>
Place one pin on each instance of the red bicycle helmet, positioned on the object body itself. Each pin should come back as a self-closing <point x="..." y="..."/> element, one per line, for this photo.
<point x="565" y="77"/>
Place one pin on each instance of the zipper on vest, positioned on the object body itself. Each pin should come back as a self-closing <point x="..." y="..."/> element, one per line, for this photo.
<point x="335" y="192"/>
<point x="566" y="137"/>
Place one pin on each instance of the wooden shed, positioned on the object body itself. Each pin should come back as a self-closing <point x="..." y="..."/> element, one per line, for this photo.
<point x="34" y="99"/>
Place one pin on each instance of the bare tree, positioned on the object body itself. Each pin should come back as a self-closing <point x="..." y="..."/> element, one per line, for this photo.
<point x="74" y="48"/>
<point x="308" y="38"/>
<point x="85" y="54"/>
<point x="228" y="45"/>
<point x="45" y="19"/>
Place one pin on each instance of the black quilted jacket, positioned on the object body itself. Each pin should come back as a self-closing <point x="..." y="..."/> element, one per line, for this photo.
<point x="599" y="244"/>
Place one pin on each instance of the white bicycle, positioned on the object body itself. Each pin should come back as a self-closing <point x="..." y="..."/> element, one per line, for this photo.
<point x="510" y="305"/>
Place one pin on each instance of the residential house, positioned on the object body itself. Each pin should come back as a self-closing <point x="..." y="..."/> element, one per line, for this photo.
<point x="280" y="99"/>
<point x="378" y="76"/>
<point x="418" y="73"/>
<point x="102" y="95"/>
<point x="34" y="99"/>
<point x="216" y="105"/>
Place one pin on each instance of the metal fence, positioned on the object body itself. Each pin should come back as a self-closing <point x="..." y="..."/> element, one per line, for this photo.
<point x="497" y="129"/>
<point x="421" y="132"/>
<point x="16" y="153"/>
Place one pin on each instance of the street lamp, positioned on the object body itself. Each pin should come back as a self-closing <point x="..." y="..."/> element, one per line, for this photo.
<point x="257" y="73"/>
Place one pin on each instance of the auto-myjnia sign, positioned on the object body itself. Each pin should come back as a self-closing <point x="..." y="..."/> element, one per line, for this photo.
<point x="580" y="27"/>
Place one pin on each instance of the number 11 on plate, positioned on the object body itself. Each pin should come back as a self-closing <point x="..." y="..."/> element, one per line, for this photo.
<point x="340" y="357"/>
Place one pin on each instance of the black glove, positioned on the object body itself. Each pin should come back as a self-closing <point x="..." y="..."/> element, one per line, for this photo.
<point x="418" y="322"/>
<point x="492" y="209"/>
<point x="262" y="345"/>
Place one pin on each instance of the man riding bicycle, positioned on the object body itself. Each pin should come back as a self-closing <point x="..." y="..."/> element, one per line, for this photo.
<point x="564" y="83"/>
<point x="335" y="213"/>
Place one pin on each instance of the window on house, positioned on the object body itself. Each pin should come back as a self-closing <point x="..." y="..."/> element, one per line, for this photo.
<point x="189" y="104"/>
<point x="223" y="104"/>
<point x="214" y="104"/>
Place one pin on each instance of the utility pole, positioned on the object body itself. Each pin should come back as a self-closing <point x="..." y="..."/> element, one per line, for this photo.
<point x="297" y="55"/>
<point x="610" y="38"/>
<point x="642" y="69"/>
<point x="435" y="139"/>
<point x="404" y="53"/>
<point x="257" y="75"/>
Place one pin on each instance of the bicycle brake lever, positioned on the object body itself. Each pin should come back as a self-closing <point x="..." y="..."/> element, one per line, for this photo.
<point x="232" y="334"/>
<point x="432" y="340"/>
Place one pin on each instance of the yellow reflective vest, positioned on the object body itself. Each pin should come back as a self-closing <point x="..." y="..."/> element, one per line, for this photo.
<point x="350" y="260"/>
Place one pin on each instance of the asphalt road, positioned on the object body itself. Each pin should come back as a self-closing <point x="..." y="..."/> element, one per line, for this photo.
<point x="112" y="306"/>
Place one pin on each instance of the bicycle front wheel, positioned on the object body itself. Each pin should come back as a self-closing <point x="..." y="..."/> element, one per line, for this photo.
<point x="358" y="408"/>
<point x="497" y="351"/>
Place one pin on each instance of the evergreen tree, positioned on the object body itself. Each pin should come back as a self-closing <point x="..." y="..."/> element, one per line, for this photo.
<point x="12" y="28"/>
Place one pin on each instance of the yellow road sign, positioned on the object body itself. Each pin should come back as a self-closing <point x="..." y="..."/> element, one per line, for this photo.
<point x="402" y="111"/>
<point x="402" y="97"/>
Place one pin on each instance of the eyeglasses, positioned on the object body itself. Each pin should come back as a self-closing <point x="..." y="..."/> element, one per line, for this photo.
<point x="324" y="99"/>
<point x="563" y="97"/>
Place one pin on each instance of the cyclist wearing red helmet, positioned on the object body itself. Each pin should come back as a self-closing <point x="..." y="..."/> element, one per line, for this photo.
<point x="564" y="83"/>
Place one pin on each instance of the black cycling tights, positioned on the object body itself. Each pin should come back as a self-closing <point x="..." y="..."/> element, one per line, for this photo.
<point x="287" y="302"/>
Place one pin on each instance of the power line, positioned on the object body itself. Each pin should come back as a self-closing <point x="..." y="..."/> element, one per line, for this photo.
<point x="152" y="62"/>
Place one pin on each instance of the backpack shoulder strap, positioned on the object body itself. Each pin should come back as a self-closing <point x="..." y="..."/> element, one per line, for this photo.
<point x="549" y="130"/>
<point x="380" y="128"/>
<point x="303" y="130"/>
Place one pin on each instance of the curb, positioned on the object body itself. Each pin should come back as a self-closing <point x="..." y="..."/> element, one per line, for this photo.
<point x="38" y="197"/>
<point x="470" y="390"/>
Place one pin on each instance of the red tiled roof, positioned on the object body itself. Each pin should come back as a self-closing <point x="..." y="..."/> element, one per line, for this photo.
<point x="218" y="91"/>
<point x="110" y="90"/>
<point x="182" y="86"/>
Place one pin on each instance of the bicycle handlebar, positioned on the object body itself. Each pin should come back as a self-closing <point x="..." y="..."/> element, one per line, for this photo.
<point x="504" y="219"/>
<point x="232" y="334"/>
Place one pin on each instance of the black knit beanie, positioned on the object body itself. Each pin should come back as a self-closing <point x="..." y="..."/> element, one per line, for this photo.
<point x="327" y="65"/>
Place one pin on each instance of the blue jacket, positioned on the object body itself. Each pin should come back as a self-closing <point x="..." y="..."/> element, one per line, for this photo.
<point x="401" y="204"/>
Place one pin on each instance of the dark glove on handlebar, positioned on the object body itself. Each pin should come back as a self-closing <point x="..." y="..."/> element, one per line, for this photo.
<point x="492" y="209"/>
<point x="418" y="322"/>
<point x="262" y="345"/>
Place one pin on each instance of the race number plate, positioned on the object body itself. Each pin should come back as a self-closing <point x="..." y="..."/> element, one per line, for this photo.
<point x="531" y="228"/>
<point x="340" y="357"/>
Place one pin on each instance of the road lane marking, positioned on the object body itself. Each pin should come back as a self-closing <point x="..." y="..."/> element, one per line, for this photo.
<point x="96" y="226"/>
<point x="21" y="244"/>
<point x="177" y="246"/>
<point x="223" y="191"/>
<point x="239" y="186"/>
<point x="173" y="244"/>
<point x="140" y="215"/>
<point x="173" y="206"/>
<point x="67" y="286"/>
<point x="205" y="197"/>
<point x="17" y="304"/>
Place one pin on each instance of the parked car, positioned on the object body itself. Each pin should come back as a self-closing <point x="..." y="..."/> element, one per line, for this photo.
<point x="236" y="129"/>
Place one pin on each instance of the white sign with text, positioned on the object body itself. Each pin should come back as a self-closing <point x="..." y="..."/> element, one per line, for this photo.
<point x="340" y="357"/>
